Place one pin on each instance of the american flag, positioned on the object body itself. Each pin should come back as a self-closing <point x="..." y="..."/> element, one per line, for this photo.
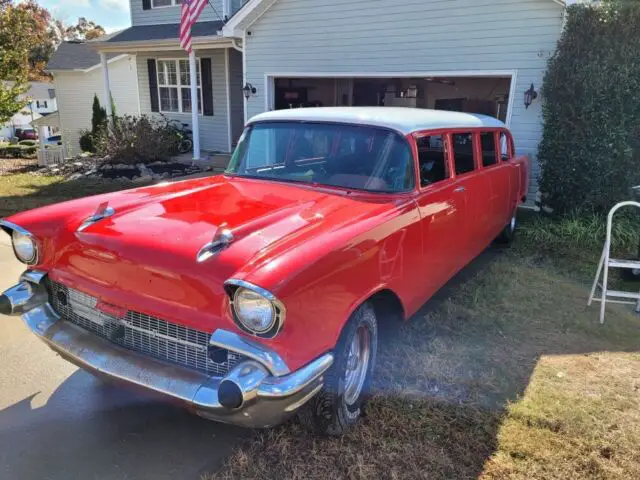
<point x="191" y="10"/>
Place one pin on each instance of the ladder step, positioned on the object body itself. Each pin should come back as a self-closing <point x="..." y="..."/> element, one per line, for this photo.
<point x="617" y="263"/>
<point x="620" y="294"/>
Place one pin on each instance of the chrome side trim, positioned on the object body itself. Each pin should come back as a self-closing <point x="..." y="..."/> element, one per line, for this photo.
<point x="247" y="347"/>
<point x="9" y="227"/>
<point x="281" y="309"/>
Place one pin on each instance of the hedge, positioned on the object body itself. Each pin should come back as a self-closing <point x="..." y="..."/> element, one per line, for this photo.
<point x="29" y="143"/>
<point x="18" y="151"/>
<point x="589" y="154"/>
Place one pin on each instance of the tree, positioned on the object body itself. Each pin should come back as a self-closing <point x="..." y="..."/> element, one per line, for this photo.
<point x="83" y="30"/>
<point x="15" y="45"/>
<point x="44" y="38"/>
<point x="99" y="116"/>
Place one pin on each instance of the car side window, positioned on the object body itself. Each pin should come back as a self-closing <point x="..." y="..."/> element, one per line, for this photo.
<point x="463" y="157"/>
<point x="505" y="147"/>
<point x="489" y="152"/>
<point x="432" y="159"/>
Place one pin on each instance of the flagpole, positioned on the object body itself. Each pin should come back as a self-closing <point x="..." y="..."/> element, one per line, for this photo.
<point x="195" y="118"/>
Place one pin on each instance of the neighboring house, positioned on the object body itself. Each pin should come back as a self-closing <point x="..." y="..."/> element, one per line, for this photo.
<point x="42" y="101"/>
<point x="77" y="76"/>
<point x="468" y="55"/>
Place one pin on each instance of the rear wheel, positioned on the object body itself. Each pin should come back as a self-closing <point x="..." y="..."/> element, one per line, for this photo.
<point x="185" y="146"/>
<point x="342" y="400"/>
<point x="508" y="234"/>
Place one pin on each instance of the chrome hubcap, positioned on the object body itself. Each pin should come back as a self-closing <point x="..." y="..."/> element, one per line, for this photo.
<point x="357" y="365"/>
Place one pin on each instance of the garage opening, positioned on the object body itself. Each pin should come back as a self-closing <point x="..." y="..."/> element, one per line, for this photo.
<point x="488" y="95"/>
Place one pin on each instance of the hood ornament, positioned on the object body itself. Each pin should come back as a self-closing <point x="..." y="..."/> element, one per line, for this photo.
<point x="221" y="240"/>
<point x="103" y="211"/>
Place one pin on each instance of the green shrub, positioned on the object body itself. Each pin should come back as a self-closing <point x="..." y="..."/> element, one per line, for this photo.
<point x="137" y="140"/>
<point x="29" y="143"/>
<point x="86" y="141"/>
<point x="589" y="154"/>
<point x="18" y="151"/>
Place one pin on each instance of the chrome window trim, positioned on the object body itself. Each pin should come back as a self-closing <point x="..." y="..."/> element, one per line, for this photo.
<point x="9" y="228"/>
<point x="281" y="311"/>
<point x="251" y="349"/>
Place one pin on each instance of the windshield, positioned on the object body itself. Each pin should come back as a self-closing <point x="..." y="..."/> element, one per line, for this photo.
<point x="347" y="156"/>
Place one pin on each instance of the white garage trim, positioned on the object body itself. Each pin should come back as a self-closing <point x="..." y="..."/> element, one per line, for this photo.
<point x="269" y="80"/>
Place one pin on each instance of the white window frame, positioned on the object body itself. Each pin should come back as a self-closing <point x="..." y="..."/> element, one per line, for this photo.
<point x="179" y="86"/>
<point x="174" y="3"/>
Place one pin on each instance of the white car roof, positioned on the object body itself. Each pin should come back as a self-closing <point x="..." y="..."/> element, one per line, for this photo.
<point x="403" y="120"/>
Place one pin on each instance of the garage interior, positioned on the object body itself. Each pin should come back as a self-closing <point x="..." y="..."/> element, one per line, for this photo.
<point x="485" y="95"/>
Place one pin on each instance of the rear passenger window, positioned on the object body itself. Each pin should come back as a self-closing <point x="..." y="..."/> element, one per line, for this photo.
<point x="433" y="159"/>
<point x="489" y="154"/>
<point x="504" y="147"/>
<point x="463" y="153"/>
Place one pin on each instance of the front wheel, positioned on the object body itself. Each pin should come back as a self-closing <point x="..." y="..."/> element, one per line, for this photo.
<point x="342" y="400"/>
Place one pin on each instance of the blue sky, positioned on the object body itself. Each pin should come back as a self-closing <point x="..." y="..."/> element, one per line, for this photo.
<point x="111" y="14"/>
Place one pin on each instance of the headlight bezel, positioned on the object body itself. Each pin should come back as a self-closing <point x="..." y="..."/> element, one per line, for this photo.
<point x="234" y="287"/>
<point x="12" y="229"/>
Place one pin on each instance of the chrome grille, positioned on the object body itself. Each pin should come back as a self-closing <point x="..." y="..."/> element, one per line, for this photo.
<point x="142" y="333"/>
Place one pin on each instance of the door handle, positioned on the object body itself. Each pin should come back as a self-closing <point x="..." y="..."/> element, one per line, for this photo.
<point x="459" y="189"/>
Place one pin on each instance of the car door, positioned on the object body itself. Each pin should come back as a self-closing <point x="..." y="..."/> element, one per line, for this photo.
<point x="498" y="179"/>
<point x="475" y="184"/>
<point x="442" y="211"/>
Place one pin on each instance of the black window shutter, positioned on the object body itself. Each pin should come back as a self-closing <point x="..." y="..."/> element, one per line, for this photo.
<point x="146" y="4"/>
<point x="207" y="87"/>
<point x="153" y="84"/>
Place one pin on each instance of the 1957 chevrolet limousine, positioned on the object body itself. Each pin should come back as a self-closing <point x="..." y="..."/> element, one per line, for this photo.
<point x="256" y="294"/>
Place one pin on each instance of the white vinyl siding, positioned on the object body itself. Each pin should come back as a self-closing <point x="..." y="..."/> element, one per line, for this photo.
<point x="213" y="129"/>
<point x="391" y="36"/>
<point x="171" y="14"/>
<point x="75" y="92"/>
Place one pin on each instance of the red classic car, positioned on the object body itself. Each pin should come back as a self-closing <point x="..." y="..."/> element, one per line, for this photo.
<point x="256" y="294"/>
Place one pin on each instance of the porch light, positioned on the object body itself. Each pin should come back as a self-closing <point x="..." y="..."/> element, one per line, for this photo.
<point x="249" y="90"/>
<point x="529" y="96"/>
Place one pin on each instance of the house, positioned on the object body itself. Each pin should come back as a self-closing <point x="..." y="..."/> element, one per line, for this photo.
<point x="42" y="102"/>
<point x="77" y="77"/>
<point x="482" y="56"/>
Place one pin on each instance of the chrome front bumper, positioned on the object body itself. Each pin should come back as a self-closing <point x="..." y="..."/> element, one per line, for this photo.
<point x="256" y="393"/>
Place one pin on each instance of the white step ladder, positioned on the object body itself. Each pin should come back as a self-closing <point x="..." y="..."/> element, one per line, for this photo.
<point x="606" y="262"/>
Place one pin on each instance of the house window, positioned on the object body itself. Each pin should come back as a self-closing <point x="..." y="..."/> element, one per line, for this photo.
<point x="165" y="3"/>
<point x="174" y="86"/>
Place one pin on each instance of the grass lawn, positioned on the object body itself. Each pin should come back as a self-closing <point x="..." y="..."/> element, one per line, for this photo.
<point x="25" y="191"/>
<point x="507" y="375"/>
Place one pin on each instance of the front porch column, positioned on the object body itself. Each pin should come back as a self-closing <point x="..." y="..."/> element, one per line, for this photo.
<point x="107" y="89"/>
<point x="195" y="117"/>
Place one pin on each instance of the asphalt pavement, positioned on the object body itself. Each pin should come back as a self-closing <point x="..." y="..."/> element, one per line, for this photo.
<point x="58" y="422"/>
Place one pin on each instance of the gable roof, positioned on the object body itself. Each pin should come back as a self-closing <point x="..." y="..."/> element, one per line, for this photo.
<point x="74" y="55"/>
<point x="165" y="31"/>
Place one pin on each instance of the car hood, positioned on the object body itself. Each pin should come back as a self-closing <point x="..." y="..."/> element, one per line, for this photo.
<point x="144" y="256"/>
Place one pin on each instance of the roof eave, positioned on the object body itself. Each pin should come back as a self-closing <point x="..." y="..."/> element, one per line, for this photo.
<point x="209" y="41"/>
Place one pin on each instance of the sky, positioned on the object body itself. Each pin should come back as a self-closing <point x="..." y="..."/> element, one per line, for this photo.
<point x="111" y="14"/>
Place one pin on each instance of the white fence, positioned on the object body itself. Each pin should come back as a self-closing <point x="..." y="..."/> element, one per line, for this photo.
<point x="52" y="155"/>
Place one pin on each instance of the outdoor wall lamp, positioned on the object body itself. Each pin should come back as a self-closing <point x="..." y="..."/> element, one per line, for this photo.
<point x="249" y="90"/>
<point x="529" y="96"/>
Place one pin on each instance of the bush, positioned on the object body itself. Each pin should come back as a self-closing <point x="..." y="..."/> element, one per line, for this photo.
<point x="86" y="141"/>
<point x="589" y="151"/>
<point x="29" y="143"/>
<point x="137" y="140"/>
<point x="18" y="151"/>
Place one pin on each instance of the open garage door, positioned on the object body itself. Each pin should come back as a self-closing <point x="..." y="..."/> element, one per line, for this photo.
<point x="481" y="93"/>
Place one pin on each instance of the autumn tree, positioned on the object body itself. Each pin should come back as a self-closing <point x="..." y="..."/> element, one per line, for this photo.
<point x="83" y="30"/>
<point x="16" y="43"/>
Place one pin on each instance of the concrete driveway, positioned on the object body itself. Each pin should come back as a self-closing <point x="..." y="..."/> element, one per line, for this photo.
<point x="57" y="422"/>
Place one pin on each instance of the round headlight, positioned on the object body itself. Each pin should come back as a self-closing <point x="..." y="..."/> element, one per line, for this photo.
<point x="24" y="246"/>
<point x="254" y="311"/>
